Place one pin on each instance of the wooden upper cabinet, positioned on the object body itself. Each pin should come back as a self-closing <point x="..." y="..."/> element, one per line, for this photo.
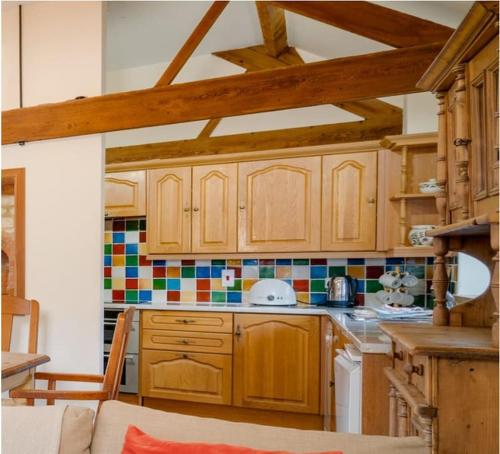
<point x="125" y="194"/>
<point x="279" y="205"/>
<point x="349" y="202"/>
<point x="277" y="362"/>
<point x="214" y="208"/>
<point x="169" y="211"/>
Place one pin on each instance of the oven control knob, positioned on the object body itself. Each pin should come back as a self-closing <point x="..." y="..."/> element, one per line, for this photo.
<point x="270" y="297"/>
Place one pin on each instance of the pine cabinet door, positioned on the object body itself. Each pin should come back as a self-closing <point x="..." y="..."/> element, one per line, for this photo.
<point x="169" y="211"/>
<point x="349" y="202"/>
<point x="125" y="194"/>
<point x="195" y="377"/>
<point x="276" y="362"/>
<point x="279" y="205"/>
<point x="214" y="208"/>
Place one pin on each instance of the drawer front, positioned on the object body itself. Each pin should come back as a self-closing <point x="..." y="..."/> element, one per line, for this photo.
<point x="195" y="377"/>
<point x="187" y="341"/>
<point x="209" y="322"/>
<point x="399" y="356"/>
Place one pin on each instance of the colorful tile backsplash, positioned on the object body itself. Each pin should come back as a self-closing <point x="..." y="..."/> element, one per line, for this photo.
<point x="129" y="277"/>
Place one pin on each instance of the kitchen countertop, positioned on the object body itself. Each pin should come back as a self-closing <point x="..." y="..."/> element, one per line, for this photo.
<point x="365" y="335"/>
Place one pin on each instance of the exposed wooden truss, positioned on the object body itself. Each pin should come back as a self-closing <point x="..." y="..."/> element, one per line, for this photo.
<point x="378" y="74"/>
<point x="372" y="21"/>
<point x="273" y="25"/>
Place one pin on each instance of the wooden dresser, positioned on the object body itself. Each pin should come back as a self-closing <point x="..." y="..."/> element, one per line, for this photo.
<point x="444" y="387"/>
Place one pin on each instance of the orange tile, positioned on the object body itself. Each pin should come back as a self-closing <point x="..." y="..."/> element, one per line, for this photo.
<point x="118" y="260"/>
<point x="145" y="284"/>
<point x="234" y="262"/>
<point x="247" y="283"/>
<point x="188" y="296"/>
<point x="173" y="271"/>
<point x="357" y="271"/>
<point x="108" y="237"/>
<point x="216" y="284"/>
<point x="118" y="283"/>
<point x="283" y="271"/>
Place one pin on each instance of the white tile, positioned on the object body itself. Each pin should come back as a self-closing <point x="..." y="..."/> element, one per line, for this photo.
<point x="173" y="263"/>
<point x="244" y="297"/>
<point x="300" y="272"/>
<point x="337" y="262"/>
<point x="203" y="262"/>
<point x="188" y="285"/>
<point x="108" y="296"/>
<point x="375" y="262"/>
<point x="118" y="271"/>
<point x="250" y="271"/>
<point x="159" y="296"/>
<point x="145" y="272"/>
<point x="131" y="237"/>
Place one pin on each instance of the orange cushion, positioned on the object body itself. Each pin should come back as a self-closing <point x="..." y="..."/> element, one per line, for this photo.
<point x="137" y="442"/>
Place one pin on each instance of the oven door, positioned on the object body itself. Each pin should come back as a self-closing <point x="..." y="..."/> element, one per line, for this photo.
<point x="130" y="374"/>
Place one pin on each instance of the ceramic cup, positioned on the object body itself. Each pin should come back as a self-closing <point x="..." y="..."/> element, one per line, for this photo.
<point x="417" y="235"/>
<point x="409" y="280"/>
<point x="429" y="187"/>
<point x="390" y="279"/>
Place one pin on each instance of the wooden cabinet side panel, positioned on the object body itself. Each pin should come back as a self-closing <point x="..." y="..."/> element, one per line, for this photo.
<point x="125" y="194"/>
<point x="276" y="362"/>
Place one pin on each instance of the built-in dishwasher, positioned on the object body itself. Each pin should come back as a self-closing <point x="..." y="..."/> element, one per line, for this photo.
<point x="348" y="388"/>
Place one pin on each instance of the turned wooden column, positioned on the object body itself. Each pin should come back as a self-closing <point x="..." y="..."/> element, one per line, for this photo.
<point x="402" y="417"/>
<point x="402" y="203"/>
<point x="494" y="286"/>
<point x="442" y="169"/>
<point x="441" y="314"/>
<point x="393" y="412"/>
<point x="461" y="142"/>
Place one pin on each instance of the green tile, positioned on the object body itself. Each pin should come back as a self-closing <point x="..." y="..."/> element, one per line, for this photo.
<point x="159" y="284"/>
<point x="419" y="300"/>
<point x="107" y="284"/>
<point x="108" y="249"/>
<point x="266" y="272"/>
<point x="187" y="271"/>
<point x="131" y="295"/>
<point x="301" y="261"/>
<point x="430" y="301"/>
<point x="317" y="285"/>
<point x="142" y="224"/>
<point x="132" y="260"/>
<point x="334" y="271"/>
<point x="373" y="286"/>
<point x="236" y="286"/>
<point x="218" y="297"/>
<point x="132" y="225"/>
<point x="218" y="263"/>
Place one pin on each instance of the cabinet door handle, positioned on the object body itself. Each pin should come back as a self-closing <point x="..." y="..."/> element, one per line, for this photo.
<point x="187" y="209"/>
<point x="242" y="207"/>
<point x="371" y="200"/>
<point x="237" y="333"/>
<point x="196" y="209"/>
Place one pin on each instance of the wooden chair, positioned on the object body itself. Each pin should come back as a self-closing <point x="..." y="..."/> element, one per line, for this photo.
<point x="110" y="380"/>
<point x="13" y="306"/>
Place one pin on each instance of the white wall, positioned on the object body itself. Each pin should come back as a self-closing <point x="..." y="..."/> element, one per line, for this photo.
<point x="62" y="48"/>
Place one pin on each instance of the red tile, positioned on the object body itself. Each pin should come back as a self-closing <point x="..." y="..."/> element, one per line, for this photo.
<point x="107" y="271"/>
<point x="142" y="237"/>
<point x="187" y="263"/>
<point x="118" y="226"/>
<point x="237" y="271"/>
<point x="143" y="261"/>
<point x="360" y="299"/>
<point x="118" y="295"/>
<point x="374" y="272"/>
<point x="318" y="261"/>
<point x="159" y="271"/>
<point x="301" y="285"/>
<point x="173" y="295"/>
<point x="202" y="284"/>
<point x="131" y="284"/>
<point x="203" y="297"/>
<point x="266" y="262"/>
<point x="118" y="249"/>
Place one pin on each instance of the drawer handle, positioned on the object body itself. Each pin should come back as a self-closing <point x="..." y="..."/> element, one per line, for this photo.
<point x="184" y="356"/>
<point x="184" y="320"/>
<point x="398" y="355"/>
<point x="184" y="341"/>
<point x="411" y="369"/>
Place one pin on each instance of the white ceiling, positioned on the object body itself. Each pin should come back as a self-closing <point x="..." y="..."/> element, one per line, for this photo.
<point x="145" y="32"/>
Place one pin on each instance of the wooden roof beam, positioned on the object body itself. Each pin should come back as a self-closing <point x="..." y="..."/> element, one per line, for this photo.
<point x="273" y="26"/>
<point x="373" y="75"/>
<point x="372" y="21"/>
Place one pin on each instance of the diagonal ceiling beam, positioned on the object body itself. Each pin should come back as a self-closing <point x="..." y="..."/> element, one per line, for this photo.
<point x="273" y="26"/>
<point x="372" y="21"/>
<point x="378" y="74"/>
<point x="192" y="42"/>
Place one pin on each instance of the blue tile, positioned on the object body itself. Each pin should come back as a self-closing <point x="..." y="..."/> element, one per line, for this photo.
<point x="107" y="260"/>
<point x="118" y="237"/>
<point x="145" y="296"/>
<point x="234" y="297"/>
<point x="250" y="262"/>
<point x="173" y="284"/>
<point x="216" y="271"/>
<point x="395" y="261"/>
<point x="202" y="271"/>
<point x="131" y="271"/>
<point x="288" y="281"/>
<point x="361" y="286"/>
<point x="132" y="249"/>
<point x="159" y="263"/>
<point x="283" y="261"/>
<point x="355" y="261"/>
<point x="318" y="272"/>
<point x="318" y="298"/>
<point x="430" y="260"/>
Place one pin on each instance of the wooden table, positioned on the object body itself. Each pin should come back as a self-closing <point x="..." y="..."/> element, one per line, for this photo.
<point x="18" y="369"/>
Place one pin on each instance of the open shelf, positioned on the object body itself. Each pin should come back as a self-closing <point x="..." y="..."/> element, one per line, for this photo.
<point x="411" y="251"/>
<point x="471" y="227"/>
<point x="416" y="196"/>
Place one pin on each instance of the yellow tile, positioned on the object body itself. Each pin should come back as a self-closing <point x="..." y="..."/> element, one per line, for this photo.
<point x="303" y="298"/>
<point x="247" y="283"/>
<point x="118" y="283"/>
<point x="173" y="271"/>
<point x="145" y="284"/>
<point x="357" y="271"/>
<point x="143" y="249"/>
<point x="283" y="272"/>
<point x="188" y="296"/>
<point x="118" y="260"/>
<point x="108" y="237"/>
<point x="429" y="272"/>
<point x="234" y="262"/>
<point x="216" y="284"/>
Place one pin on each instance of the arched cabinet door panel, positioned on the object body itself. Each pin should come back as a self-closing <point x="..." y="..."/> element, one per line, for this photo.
<point x="349" y="202"/>
<point x="279" y="205"/>
<point x="169" y="211"/>
<point x="214" y="208"/>
<point x="276" y="362"/>
<point x="125" y="194"/>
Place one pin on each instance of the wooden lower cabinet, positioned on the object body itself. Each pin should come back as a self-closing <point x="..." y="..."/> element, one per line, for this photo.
<point x="277" y="362"/>
<point x="198" y="377"/>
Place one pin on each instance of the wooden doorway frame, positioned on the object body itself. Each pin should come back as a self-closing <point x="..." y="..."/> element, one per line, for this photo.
<point x="16" y="178"/>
